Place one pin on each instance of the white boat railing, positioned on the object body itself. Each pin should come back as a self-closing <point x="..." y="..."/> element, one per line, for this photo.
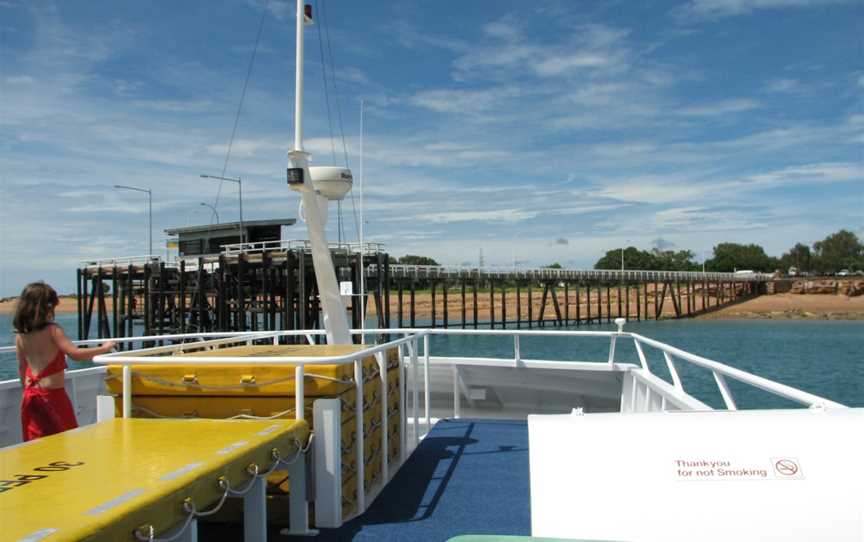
<point x="647" y="391"/>
<point x="671" y="355"/>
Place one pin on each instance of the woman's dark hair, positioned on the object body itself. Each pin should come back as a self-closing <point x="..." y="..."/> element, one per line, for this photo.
<point x="34" y="307"/>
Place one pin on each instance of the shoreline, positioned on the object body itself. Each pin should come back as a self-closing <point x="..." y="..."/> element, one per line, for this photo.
<point x="779" y="306"/>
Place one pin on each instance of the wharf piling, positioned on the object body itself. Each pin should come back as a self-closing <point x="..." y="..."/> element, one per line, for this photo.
<point x="270" y="290"/>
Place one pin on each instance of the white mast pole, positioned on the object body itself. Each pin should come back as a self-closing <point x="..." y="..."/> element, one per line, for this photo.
<point x="362" y="267"/>
<point x="335" y="320"/>
<point x="298" y="81"/>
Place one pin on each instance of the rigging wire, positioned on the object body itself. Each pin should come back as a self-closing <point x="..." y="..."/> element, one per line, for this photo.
<point x="326" y="26"/>
<point x="326" y="90"/>
<point x="240" y="105"/>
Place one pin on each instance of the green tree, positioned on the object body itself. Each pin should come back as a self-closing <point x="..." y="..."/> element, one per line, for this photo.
<point x="670" y="260"/>
<point x="640" y="259"/>
<point x="411" y="259"/>
<point x="798" y="257"/>
<point x="555" y="265"/>
<point x="729" y="257"/>
<point x="841" y="250"/>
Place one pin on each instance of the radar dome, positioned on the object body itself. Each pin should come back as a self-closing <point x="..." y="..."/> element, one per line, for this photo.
<point x="332" y="182"/>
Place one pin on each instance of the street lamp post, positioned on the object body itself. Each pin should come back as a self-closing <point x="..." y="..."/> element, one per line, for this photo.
<point x="215" y="212"/>
<point x="240" y="189"/>
<point x="622" y="255"/>
<point x="149" y="210"/>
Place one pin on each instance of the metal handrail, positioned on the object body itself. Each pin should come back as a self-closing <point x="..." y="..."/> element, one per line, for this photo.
<point x="127" y="260"/>
<point x="423" y="271"/>
<point x="671" y="354"/>
<point x="291" y="244"/>
<point x="720" y="370"/>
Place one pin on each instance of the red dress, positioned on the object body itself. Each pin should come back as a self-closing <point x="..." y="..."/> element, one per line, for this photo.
<point x="45" y="411"/>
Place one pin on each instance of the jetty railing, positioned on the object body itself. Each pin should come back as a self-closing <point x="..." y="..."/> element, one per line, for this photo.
<point x="545" y="273"/>
<point x="285" y="245"/>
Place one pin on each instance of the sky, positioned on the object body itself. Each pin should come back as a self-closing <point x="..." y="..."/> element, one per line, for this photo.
<point x="535" y="132"/>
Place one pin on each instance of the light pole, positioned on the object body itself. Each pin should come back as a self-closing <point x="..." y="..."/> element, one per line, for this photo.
<point x="240" y="188"/>
<point x="215" y="212"/>
<point x="622" y="255"/>
<point x="149" y="209"/>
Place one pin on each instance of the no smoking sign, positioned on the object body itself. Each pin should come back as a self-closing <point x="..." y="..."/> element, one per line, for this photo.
<point x="787" y="468"/>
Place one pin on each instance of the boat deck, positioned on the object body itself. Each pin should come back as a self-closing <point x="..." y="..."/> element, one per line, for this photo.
<point x="466" y="477"/>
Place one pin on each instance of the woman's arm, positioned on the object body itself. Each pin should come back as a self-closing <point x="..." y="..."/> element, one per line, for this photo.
<point x="22" y="361"/>
<point x="78" y="354"/>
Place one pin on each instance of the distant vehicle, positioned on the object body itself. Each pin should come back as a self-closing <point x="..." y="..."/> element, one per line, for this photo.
<point x="793" y="272"/>
<point x="744" y="272"/>
<point x="843" y="273"/>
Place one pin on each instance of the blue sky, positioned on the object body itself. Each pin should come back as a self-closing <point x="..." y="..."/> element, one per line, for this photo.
<point x="538" y="131"/>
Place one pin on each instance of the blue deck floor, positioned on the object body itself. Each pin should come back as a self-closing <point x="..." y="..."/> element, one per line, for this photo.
<point x="466" y="476"/>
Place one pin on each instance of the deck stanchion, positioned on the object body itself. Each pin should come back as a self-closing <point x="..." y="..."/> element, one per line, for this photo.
<point x="299" y="400"/>
<point x="517" y="351"/>
<point x="403" y="403"/>
<point x="426" y="383"/>
<point x="127" y="391"/>
<point x="381" y="358"/>
<point x="725" y="391"/>
<point x="360" y="442"/>
<point x="415" y="394"/>
<point x="255" y="510"/>
<point x="457" y="400"/>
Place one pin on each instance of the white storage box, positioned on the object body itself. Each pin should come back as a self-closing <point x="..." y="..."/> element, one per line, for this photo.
<point x="784" y="475"/>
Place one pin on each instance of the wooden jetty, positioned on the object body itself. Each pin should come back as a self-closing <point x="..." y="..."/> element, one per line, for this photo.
<point x="271" y="286"/>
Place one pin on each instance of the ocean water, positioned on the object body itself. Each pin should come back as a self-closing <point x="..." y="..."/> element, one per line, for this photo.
<point x="825" y="358"/>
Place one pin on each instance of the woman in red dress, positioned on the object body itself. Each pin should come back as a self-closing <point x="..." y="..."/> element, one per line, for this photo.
<point x="42" y="348"/>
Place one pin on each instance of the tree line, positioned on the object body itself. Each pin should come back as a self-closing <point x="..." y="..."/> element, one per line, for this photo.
<point x="840" y="251"/>
<point x="837" y="252"/>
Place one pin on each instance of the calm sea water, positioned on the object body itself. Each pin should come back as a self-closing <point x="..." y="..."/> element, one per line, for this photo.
<point x="822" y="357"/>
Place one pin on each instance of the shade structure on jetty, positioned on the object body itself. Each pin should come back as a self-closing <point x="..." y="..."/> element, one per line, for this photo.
<point x="257" y="287"/>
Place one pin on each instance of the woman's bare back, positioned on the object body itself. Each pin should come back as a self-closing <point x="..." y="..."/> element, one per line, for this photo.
<point x="39" y="349"/>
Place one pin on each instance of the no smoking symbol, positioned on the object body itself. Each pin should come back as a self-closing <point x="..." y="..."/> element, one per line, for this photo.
<point x="786" y="467"/>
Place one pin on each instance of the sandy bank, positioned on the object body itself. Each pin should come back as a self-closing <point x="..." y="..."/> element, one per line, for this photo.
<point x="794" y="307"/>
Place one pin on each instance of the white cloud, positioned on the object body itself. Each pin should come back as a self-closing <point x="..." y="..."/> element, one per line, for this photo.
<point x="784" y="86"/>
<point x="811" y="174"/>
<point x="723" y="8"/>
<point x="727" y="107"/>
<point x="465" y="102"/>
<point x="557" y="65"/>
<point x="174" y="106"/>
<point x="593" y="47"/>
<point x="502" y="215"/>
